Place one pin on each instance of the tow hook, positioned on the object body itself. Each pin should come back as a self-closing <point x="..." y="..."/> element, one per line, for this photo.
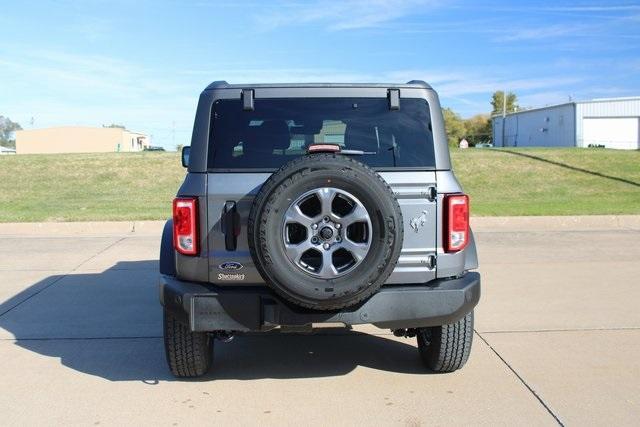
<point x="407" y="333"/>
<point x="224" y="336"/>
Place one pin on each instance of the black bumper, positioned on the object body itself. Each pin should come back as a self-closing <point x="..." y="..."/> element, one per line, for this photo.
<point x="210" y="308"/>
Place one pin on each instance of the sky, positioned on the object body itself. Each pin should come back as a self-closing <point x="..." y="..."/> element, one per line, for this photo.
<point x="143" y="63"/>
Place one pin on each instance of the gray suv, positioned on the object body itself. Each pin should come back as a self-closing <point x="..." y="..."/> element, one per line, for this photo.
<point x="318" y="203"/>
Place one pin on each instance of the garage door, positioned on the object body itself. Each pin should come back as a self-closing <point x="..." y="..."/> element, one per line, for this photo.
<point x="621" y="133"/>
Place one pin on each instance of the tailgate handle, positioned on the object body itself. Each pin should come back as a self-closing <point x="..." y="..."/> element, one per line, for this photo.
<point x="230" y="225"/>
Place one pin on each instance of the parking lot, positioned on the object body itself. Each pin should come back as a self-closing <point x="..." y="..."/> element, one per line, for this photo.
<point x="557" y="339"/>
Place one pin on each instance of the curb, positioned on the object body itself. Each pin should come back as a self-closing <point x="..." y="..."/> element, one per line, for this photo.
<point x="92" y="228"/>
<point x="556" y="223"/>
<point x="479" y="225"/>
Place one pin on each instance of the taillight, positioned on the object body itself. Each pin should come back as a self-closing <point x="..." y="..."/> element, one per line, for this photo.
<point x="323" y="148"/>
<point x="185" y="225"/>
<point x="456" y="220"/>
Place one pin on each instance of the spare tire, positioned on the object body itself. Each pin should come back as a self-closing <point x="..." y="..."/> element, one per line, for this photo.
<point x="325" y="231"/>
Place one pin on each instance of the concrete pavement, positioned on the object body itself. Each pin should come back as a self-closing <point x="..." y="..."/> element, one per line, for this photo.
<point x="557" y="339"/>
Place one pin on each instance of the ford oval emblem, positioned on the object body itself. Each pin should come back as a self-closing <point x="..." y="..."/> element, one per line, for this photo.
<point x="230" y="265"/>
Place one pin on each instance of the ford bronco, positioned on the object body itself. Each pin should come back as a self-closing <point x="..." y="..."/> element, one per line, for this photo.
<point x="318" y="203"/>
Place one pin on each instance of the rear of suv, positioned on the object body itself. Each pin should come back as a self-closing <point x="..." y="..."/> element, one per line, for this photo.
<point x="318" y="203"/>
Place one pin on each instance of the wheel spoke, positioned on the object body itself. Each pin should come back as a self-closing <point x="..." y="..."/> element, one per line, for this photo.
<point x="358" y="250"/>
<point x="295" y="215"/>
<point x="357" y="214"/>
<point x="327" y="270"/>
<point x="326" y="196"/>
<point x="295" y="251"/>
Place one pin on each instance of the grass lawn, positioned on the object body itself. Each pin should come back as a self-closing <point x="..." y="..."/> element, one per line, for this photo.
<point x="85" y="187"/>
<point x="140" y="186"/>
<point x="549" y="181"/>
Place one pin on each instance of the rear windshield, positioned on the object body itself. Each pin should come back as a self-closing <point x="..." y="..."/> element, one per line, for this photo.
<point x="279" y="129"/>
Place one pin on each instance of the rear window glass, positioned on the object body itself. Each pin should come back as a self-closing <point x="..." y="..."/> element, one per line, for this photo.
<point x="279" y="129"/>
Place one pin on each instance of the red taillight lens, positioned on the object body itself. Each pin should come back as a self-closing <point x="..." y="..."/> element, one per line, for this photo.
<point x="456" y="218"/>
<point x="185" y="225"/>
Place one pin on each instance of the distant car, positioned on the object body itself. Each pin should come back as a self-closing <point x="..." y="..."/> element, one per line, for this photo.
<point x="484" y="145"/>
<point x="6" y="150"/>
<point x="151" y="148"/>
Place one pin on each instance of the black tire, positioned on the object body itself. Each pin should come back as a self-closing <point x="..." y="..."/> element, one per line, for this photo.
<point x="189" y="354"/>
<point x="265" y="229"/>
<point x="446" y="348"/>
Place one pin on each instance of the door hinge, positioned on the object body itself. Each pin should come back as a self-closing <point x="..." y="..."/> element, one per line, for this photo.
<point x="393" y="95"/>
<point x="432" y="194"/>
<point x="431" y="262"/>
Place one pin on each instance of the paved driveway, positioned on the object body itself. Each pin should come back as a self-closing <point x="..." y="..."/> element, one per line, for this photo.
<point x="557" y="340"/>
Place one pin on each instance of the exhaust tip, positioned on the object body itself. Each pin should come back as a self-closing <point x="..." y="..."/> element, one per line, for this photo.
<point x="224" y="336"/>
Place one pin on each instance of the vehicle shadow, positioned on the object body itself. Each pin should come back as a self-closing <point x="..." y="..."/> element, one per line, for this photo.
<point x="108" y="324"/>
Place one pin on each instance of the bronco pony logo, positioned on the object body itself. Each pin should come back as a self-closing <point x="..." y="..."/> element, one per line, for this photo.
<point x="418" y="221"/>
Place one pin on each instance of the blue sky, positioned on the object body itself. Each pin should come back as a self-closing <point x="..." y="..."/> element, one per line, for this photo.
<point x="144" y="63"/>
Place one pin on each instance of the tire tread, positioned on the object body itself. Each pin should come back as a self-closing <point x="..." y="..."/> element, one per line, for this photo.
<point x="189" y="354"/>
<point x="446" y="348"/>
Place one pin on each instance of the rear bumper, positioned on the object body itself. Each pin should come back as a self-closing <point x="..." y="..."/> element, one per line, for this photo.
<point x="211" y="308"/>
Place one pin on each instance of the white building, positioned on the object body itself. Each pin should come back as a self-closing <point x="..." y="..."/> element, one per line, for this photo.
<point x="612" y="123"/>
<point x="79" y="139"/>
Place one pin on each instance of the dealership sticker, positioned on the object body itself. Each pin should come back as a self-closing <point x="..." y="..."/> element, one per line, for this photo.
<point x="234" y="276"/>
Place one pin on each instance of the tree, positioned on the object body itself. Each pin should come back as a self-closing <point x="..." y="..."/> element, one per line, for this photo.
<point x="454" y="125"/>
<point x="114" y="125"/>
<point x="7" y="129"/>
<point x="478" y="129"/>
<point x="497" y="102"/>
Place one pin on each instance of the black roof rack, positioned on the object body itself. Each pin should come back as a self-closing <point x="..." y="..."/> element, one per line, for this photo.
<point x="222" y="84"/>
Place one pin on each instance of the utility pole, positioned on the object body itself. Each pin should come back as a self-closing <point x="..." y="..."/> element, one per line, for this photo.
<point x="504" y="113"/>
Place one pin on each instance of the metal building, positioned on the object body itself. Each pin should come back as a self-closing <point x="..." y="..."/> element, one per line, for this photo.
<point x="612" y="123"/>
<point x="79" y="139"/>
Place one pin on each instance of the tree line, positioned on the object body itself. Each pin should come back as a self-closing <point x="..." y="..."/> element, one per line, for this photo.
<point x="7" y="132"/>
<point x="477" y="129"/>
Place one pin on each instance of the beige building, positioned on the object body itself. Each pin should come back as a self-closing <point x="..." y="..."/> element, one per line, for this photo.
<point x="78" y="139"/>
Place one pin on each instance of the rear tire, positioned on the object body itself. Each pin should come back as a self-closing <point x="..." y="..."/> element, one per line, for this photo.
<point x="446" y="348"/>
<point x="189" y="354"/>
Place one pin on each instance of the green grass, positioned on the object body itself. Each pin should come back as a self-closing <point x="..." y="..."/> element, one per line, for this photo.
<point x="140" y="186"/>
<point x="505" y="182"/>
<point x="85" y="187"/>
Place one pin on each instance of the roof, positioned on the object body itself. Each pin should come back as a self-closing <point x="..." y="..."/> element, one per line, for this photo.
<point x="71" y="128"/>
<point x="589" y="101"/>
<point x="413" y="84"/>
<point x="619" y="99"/>
<point x="529" y="110"/>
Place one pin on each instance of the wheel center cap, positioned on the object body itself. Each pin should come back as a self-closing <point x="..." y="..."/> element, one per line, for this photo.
<point x="326" y="233"/>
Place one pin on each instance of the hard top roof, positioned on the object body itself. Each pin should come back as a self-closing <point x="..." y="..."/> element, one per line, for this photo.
<point x="413" y="84"/>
